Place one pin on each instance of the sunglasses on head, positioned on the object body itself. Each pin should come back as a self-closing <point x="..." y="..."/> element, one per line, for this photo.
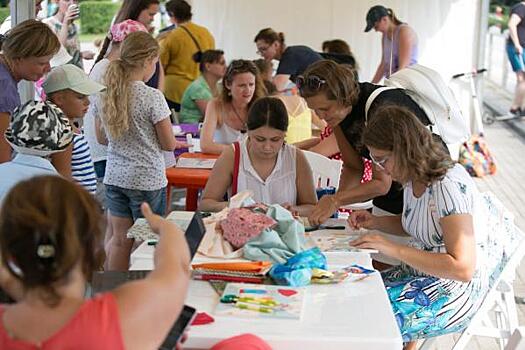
<point x="312" y="82"/>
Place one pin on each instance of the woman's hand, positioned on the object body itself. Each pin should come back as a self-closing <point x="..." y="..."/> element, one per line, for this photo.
<point x="290" y="208"/>
<point x="377" y="242"/>
<point x="325" y="208"/>
<point x="362" y="219"/>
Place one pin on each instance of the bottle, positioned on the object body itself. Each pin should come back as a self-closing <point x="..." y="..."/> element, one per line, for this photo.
<point x="189" y="141"/>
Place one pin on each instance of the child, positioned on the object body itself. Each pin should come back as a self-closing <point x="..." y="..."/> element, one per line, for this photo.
<point x="69" y="87"/>
<point x="136" y="122"/>
<point x="37" y="130"/>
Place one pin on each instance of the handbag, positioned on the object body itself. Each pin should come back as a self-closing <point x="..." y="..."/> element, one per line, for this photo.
<point x="475" y="156"/>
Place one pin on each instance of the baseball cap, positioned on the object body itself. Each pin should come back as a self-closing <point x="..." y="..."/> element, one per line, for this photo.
<point x="121" y="30"/>
<point x="375" y="14"/>
<point x="69" y="76"/>
<point x="39" y="128"/>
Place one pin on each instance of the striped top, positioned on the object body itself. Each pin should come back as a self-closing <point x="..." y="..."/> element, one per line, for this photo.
<point x="82" y="168"/>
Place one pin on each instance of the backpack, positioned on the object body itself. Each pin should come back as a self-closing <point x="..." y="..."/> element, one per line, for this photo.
<point x="428" y="89"/>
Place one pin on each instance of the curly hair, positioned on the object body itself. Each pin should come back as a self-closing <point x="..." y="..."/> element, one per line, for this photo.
<point x="416" y="154"/>
<point x="49" y="225"/>
<point x="135" y="50"/>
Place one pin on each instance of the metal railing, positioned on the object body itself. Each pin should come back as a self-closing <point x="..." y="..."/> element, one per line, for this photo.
<point x="496" y="61"/>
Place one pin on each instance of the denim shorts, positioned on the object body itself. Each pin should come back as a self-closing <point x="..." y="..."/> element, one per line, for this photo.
<point x="123" y="202"/>
<point x="516" y="61"/>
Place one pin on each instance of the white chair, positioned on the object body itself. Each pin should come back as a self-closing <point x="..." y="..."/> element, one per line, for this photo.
<point x="326" y="172"/>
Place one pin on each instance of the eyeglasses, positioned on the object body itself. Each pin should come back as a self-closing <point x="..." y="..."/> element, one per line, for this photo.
<point x="243" y="65"/>
<point x="261" y="50"/>
<point x="379" y="163"/>
<point x="313" y="82"/>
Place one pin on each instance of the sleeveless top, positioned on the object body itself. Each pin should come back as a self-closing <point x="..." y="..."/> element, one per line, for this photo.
<point x="389" y="45"/>
<point x="299" y="119"/>
<point x="279" y="187"/>
<point x="95" y="325"/>
<point x="226" y="135"/>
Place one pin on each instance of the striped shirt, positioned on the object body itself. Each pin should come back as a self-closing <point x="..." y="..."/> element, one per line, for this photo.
<point x="82" y="167"/>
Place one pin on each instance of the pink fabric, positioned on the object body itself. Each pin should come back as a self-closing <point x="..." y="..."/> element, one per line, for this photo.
<point x="96" y="325"/>
<point x="120" y="31"/>
<point x="242" y="224"/>
<point x="244" y="342"/>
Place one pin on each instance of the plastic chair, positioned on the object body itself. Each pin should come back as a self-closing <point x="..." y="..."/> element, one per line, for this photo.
<point x="326" y="172"/>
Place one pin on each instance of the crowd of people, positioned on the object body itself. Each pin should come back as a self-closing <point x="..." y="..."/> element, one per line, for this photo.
<point x="107" y="131"/>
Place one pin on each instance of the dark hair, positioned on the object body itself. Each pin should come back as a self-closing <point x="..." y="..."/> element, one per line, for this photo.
<point x="417" y="155"/>
<point x="270" y="87"/>
<point x="238" y="67"/>
<point x="269" y="36"/>
<point x="179" y="9"/>
<point x="130" y="9"/>
<point x="47" y="226"/>
<point x="208" y="56"/>
<point x="268" y="111"/>
<point x="337" y="46"/>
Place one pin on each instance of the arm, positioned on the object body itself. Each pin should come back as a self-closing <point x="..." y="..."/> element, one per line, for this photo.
<point x="160" y="296"/>
<point x="100" y="132"/>
<point x="211" y="120"/>
<point x="220" y="180"/>
<point x="389" y="224"/>
<point x="306" y="196"/>
<point x="308" y="143"/>
<point x="380" y="71"/>
<point x="165" y="135"/>
<point x="514" y="20"/>
<point x="321" y="124"/>
<point x="459" y="261"/>
<point x="161" y="78"/>
<point x="62" y="162"/>
<point x="407" y="40"/>
<point x="201" y="105"/>
<point x="326" y="147"/>
<point x="5" y="148"/>
<point x="280" y="81"/>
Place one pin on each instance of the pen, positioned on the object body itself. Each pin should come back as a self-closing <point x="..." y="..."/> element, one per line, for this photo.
<point x="152" y="242"/>
<point x="262" y="309"/>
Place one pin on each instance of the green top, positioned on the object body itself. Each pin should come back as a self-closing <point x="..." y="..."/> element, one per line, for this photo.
<point x="197" y="90"/>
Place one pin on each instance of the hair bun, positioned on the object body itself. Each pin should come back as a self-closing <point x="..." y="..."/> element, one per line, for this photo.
<point x="197" y="56"/>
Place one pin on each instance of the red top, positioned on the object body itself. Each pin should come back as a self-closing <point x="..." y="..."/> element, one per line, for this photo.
<point x="96" y="325"/>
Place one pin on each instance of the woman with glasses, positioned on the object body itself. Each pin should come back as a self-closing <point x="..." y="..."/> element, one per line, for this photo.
<point x="442" y="278"/>
<point x="332" y="92"/>
<point x="264" y="164"/>
<point x="293" y="60"/>
<point x="226" y="115"/>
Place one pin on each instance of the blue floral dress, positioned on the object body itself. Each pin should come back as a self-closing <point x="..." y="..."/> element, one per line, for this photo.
<point x="424" y="305"/>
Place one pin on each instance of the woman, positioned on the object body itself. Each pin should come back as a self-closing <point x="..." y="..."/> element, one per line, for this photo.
<point x="50" y="241"/>
<point x="332" y="92"/>
<point x="62" y="23"/>
<point x="142" y="11"/>
<point x="226" y="115"/>
<point x="267" y="166"/>
<point x="293" y="60"/>
<point x="399" y="44"/>
<point x="441" y="281"/>
<point x="27" y="50"/>
<point x="196" y="97"/>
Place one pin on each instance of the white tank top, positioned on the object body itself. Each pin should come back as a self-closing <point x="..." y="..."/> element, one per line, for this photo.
<point x="279" y="187"/>
<point x="226" y="135"/>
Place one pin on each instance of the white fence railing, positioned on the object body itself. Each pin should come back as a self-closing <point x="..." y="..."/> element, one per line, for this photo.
<point x="496" y="61"/>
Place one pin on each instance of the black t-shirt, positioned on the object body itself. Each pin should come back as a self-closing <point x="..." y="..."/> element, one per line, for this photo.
<point x="353" y="126"/>
<point x="519" y="9"/>
<point x="295" y="60"/>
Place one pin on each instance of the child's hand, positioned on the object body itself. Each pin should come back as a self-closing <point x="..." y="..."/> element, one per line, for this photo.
<point x="180" y="144"/>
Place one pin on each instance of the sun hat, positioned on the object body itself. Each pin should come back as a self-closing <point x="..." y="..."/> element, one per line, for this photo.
<point x="121" y="30"/>
<point x="69" y="76"/>
<point x="375" y="14"/>
<point x="39" y="128"/>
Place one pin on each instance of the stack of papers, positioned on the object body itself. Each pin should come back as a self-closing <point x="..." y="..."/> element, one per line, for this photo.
<point x="251" y="272"/>
<point x="196" y="163"/>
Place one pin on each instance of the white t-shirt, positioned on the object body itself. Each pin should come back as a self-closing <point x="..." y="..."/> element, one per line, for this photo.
<point x="135" y="159"/>
<point x="98" y="151"/>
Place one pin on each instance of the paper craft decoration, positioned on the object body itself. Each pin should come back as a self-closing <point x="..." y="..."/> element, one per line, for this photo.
<point x="261" y="301"/>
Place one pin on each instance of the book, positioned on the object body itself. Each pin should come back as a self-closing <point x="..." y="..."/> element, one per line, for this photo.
<point x="261" y="301"/>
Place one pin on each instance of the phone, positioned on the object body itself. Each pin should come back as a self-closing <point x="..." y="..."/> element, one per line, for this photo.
<point x="74" y="8"/>
<point x="185" y="318"/>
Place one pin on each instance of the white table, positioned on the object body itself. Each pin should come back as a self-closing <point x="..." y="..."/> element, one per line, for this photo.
<point x="350" y="315"/>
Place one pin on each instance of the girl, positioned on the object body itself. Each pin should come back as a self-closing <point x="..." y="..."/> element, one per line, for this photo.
<point x="226" y="115"/>
<point x="137" y="124"/>
<point x="266" y="165"/>
<point x="196" y="97"/>
<point x="50" y="239"/>
<point x="399" y="41"/>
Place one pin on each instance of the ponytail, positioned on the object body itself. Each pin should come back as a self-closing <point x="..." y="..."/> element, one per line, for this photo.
<point x="116" y="98"/>
<point x="103" y="49"/>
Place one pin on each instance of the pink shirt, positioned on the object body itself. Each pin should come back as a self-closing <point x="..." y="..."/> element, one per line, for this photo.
<point x="96" y="325"/>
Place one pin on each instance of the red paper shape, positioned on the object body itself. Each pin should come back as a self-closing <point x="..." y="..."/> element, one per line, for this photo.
<point x="287" y="292"/>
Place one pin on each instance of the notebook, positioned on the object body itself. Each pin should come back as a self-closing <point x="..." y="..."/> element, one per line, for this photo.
<point x="106" y="280"/>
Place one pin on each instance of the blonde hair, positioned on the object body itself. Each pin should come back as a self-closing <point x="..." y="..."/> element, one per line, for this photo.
<point x="29" y="38"/>
<point x="134" y="51"/>
<point x="417" y="155"/>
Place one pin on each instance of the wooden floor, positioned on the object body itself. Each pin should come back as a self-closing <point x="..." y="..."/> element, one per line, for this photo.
<point x="508" y="184"/>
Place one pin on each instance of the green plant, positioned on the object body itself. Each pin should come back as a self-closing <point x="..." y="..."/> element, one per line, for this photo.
<point x="4" y="12"/>
<point x="96" y="15"/>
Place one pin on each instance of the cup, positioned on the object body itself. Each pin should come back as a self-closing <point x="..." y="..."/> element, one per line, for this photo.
<point x="74" y="9"/>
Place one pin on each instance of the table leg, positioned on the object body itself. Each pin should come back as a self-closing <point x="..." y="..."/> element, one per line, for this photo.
<point x="192" y="196"/>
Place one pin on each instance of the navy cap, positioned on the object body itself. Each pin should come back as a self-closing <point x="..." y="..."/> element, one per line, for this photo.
<point x="375" y="14"/>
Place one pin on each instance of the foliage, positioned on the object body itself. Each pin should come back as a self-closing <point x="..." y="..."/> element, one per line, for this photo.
<point x="96" y="15"/>
<point x="4" y="12"/>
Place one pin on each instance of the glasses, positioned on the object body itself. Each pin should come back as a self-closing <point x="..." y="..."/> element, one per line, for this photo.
<point x="312" y="82"/>
<point x="379" y="163"/>
<point x="261" y="50"/>
<point x="244" y="65"/>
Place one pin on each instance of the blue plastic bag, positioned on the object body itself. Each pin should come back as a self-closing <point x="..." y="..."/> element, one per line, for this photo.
<point x="297" y="271"/>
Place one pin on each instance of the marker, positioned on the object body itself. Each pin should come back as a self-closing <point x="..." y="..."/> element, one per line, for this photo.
<point x="153" y="242"/>
<point x="252" y="291"/>
<point x="262" y="309"/>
